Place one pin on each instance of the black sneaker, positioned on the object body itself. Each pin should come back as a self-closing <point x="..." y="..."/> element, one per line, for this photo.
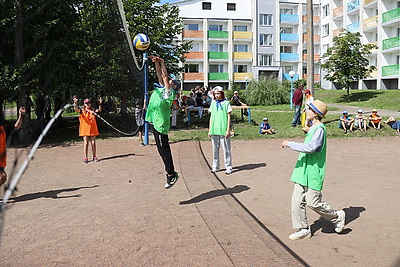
<point x="171" y="180"/>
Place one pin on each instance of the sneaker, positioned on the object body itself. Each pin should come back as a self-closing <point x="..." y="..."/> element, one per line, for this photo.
<point x="96" y="159"/>
<point x="85" y="160"/>
<point x="141" y="144"/>
<point x="228" y="171"/>
<point x="340" y="221"/>
<point x="302" y="233"/>
<point x="214" y="170"/>
<point x="171" y="180"/>
<point x="185" y="120"/>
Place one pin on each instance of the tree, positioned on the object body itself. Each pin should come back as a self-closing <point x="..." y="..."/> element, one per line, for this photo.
<point x="346" y="60"/>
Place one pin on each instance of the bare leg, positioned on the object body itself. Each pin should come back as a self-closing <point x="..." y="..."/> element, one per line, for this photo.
<point x="3" y="178"/>
<point x="93" y="144"/>
<point x="85" y="146"/>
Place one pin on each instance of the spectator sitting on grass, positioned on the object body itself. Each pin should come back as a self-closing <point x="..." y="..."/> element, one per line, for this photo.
<point x="345" y="122"/>
<point x="360" y="121"/>
<point x="394" y="124"/>
<point x="375" y="120"/>
<point x="265" y="128"/>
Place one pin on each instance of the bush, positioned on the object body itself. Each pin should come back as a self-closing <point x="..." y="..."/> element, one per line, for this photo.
<point x="267" y="91"/>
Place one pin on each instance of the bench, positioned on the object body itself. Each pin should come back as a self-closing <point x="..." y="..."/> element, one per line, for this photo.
<point x="242" y="108"/>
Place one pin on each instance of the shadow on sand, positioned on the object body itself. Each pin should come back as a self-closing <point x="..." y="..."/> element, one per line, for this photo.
<point x="216" y="193"/>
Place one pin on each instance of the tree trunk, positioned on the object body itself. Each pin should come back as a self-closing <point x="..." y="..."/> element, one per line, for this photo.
<point x="348" y="93"/>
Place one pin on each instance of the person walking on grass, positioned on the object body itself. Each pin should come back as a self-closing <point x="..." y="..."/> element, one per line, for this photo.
<point x="219" y="129"/>
<point x="88" y="126"/>
<point x="308" y="176"/>
<point x="158" y="114"/>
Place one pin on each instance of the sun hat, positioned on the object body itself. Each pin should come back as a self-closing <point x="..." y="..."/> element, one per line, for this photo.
<point x="236" y="92"/>
<point x="359" y="111"/>
<point x="374" y="110"/>
<point x="87" y="100"/>
<point x="265" y="119"/>
<point x="307" y="92"/>
<point x="319" y="107"/>
<point x="345" y="112"/>
<point x="218" y="89"/>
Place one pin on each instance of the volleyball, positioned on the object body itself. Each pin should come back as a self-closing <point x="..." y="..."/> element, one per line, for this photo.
<point x="141" y="41"/>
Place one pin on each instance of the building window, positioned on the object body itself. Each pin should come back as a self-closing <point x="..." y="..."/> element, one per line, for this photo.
<point x="286" y="11"/>
<point x="216" y="48"/>
<point x="212" y="27"/>
<point x="325" y="30"/>
<point x="265" y="19"/>
<point x="214" y="68"/>
<point x="231" y="6"/>
<point x="286" y="30"/>
<point x="191" y="68"/>
<point x="325" y="11"/>
<point x="240" y="28"/>
<point x="206" y="5"/>
<point x="286" y="49"/>
<point x="265" y="60"/>
<point x="240" y="48"/>
<point x="240" y="68"/>
<point x="195" y="47"/>
<point x="191" y="27"/>
<point x="266" y="39"/>
<point x="324" y="48"/>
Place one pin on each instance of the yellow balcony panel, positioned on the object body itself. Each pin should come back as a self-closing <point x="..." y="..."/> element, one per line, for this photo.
<point x="194" y="55"/>
<point x="242" y="35"/>
<point x="366" y="2"/>
<point x="338" y="11"/>
<point x="192" y="34"/>
<point x="193" y="76"/>
<point x="242" y="76"/>
<point x="337" y="31"/>
<point x="242" y="55"/>
<point x="370" y="22"/>
<point x="374" y="73"/>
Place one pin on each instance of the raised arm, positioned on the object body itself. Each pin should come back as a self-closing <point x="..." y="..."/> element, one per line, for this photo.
<point x="18" y="123"/>
<point x="75" y="99"/>
<point x="162" y="73"/>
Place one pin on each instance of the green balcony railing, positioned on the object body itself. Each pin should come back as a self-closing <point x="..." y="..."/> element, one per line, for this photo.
<point x="391" y="15"/>
<point x="391" y="70"/>
<point x="218" y="34"/>
<point x="391" y="43"/>
<point x="218" y="55"/>
<point x="218" y="76"/>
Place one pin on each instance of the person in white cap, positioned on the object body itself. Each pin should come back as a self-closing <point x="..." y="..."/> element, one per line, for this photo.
<point x="220" y="121"/>
<point x="360" y="121"/>
<point x="308" y="176"/>
<point x="265" y="127"/>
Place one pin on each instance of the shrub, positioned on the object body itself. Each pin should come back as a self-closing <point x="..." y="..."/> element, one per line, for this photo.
<point x="267" y="91"/>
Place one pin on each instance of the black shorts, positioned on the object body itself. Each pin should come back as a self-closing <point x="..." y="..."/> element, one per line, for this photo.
<point x="141" y="127"/>
<point x="2" y="170"/>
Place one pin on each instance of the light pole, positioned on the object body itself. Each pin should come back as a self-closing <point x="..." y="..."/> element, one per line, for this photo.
<point x="291" y="74"/>
<point x="246" y="79"/>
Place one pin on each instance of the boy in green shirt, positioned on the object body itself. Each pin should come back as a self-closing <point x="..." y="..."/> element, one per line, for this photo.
<point x="308" y="176"/>
<point x="158" y="114"/>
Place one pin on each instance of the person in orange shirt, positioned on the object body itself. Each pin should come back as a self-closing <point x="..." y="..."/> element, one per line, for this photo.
<point x="375" y="120"/>
<point x="88" y="126"/>
<point x="3" y="143"/>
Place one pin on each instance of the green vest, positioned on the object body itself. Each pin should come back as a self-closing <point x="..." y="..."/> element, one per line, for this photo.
<point x="219" y="118"/>
<point x="159" y="110"/>
<point x="310" y="167"/>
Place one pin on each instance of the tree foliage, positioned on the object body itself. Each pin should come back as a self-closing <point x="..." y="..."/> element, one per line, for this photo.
<point x="346" y="62"/>
<point x="266" y="91"/>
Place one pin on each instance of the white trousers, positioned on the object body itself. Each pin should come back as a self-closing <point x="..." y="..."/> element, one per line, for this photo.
<point x="174" y="117"/>
<point x="301" y="198"/>
<point x="216" y="142"/>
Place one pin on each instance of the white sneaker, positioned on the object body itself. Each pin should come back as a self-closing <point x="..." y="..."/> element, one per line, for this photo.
<point x="229" y="171"/>
<point x="214" y="170"/>
<point x="302" y="233"/>
<point x="340" y="221"/>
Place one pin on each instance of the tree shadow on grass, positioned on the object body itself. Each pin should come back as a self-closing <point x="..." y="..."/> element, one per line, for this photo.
<point x="50" y="194"/>
<point x="359" y="96"/>
<point x="352" y="213"/>
<point x="216" y="193"/>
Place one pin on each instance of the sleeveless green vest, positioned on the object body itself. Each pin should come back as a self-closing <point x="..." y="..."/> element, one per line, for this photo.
<point x="310" y="167"/>
<point x="219" y="118"/>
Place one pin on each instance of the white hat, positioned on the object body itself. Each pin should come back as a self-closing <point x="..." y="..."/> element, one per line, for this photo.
<point x="236" y="92"/>
<point x="265" y="119"/>
<point x="359" y="111"/>
<point x="218" y="89"/>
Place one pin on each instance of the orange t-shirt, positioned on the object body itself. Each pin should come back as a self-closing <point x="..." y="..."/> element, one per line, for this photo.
<point x="3" y="158"/>
<point x="373" y="116"/>
<point x="88" y="125"/>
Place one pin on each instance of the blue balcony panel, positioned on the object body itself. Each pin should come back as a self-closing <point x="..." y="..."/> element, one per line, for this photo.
<point x="289" y="37"/>
<point x="354" y="27"/>
<point x="289" y="18"/>
<point x="289" y="57"/>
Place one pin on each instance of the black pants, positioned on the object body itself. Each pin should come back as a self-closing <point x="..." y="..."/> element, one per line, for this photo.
<point x="162" y="142"/>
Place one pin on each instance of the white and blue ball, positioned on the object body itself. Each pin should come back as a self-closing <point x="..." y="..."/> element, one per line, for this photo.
<point x="141" y="41"/>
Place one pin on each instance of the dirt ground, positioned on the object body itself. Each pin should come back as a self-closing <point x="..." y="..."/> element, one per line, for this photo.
<point x="117" y="213"/>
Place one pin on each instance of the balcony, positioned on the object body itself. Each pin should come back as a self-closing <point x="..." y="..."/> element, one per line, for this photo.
<point x="218" y="34"/>
<point x="337" y="32"/>
<point x="218" y="76"/>
<point x="391" y="70"/>
<point x="243" y="35"/>
<point x="289" y="37"/>
<point x="194" y="55"/>
<point x="242" y="55"/>
<point x="289" y="19"/>
<point x="316" y="57"/>
<point x="338" y="12"/>
<point x="367" y="2"/>
<point x="289" y="57"/>
<point x="352" y="6"/>
<point x="242" y="76"/>
<point x="316" y="19"/>
<point x="192" y="34"/>
<point x="370" y="22"/>
<point x="193" y="76"/>
<point x="391" y="16"/>
<point x="354" y="27"/>
<point x="218" y="55"/>
<point x="391" y="43"/>
<point x="316" y="38"/>
<point x="316" y="77"/>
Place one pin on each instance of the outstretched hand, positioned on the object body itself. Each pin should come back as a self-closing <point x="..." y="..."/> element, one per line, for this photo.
<point x="22" y="110"/>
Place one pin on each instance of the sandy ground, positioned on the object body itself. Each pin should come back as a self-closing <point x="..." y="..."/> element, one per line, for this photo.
<point x="117" y="213"/>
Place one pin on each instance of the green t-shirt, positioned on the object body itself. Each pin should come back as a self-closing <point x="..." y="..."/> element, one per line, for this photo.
<point x="219" y="117"/>
<point x="159" y="109"/>
<point x="310" y="167"/>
